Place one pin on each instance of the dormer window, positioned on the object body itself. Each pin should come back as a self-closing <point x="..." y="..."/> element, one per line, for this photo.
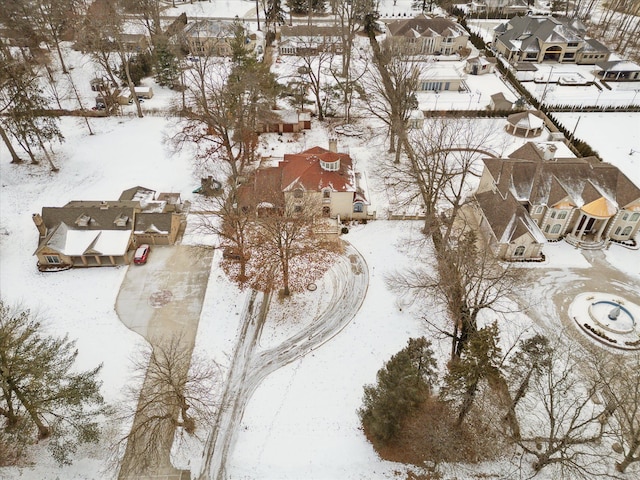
<point x="121" y="221"/>
<point x="83" y="220"/>
<point x="330" y="166"/>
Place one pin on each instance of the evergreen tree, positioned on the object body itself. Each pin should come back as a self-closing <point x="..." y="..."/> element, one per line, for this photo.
<point x="479" y="361"/>
<point x="304" y="7"/>
<point x="402" y="385"/>
<point x="41" y="391"/>
<point x="166" y="63"/>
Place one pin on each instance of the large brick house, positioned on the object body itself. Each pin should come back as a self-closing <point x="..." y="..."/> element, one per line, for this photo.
<point x="101" y="233"/>
<point x="538" y="39"/>
<point x="324" y="177"/>
<point x="532" y="197"/>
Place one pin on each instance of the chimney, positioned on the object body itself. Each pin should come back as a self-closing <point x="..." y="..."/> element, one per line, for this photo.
<point x="550" y="152"/>
<point x="37" y="219"/>
<point x="333" y="144"/>
<point x="104" y="205"/>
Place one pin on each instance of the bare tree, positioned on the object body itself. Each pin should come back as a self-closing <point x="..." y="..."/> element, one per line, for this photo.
<point x="314" y="62"/>
<point x="22" y="105"/>
<point x="391" y="91"/>
<point x="467" y="279"/>
<point x="176" y="397"/>
<point x="619" y="378"/>
<point x="284" y="235"/>
<point x="561" y="423"/>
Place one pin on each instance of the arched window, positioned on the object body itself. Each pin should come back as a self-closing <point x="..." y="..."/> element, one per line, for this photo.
<point x="298" y="193"/>
<point x="546" y="229"/>
<point x="358" y="207"/>
<point x="519" y="251"/>
<point x="626" y="231"/>
<point x="326" y="193"/>
<point x="555" y="229"/>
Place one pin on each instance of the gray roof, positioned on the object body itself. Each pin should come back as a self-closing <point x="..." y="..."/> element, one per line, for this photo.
<point x="423" y="26"/>
<point x="528" y="33"/>
<point x="91" y="215"/>
<point x="527" y="176"/>
<point x="153" y="223"/>
<point x="309" y="31"/>
<point x="507" y="218"/>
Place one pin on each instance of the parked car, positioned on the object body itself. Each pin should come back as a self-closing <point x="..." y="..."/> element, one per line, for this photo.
<point x="142" y="252"/>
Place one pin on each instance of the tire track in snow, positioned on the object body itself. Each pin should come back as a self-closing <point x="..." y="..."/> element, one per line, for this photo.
<point x="349" y="277"/>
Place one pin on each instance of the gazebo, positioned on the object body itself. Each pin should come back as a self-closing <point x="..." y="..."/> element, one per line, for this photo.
<point x="525" y="124"/>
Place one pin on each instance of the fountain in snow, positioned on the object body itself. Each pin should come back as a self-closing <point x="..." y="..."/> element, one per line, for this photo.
<point x="607" y="319"/>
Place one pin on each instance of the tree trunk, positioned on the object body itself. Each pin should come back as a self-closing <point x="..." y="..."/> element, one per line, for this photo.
<point x="15" y="158"/>
<point x="43" y="430"/>
<point x="467" y="402"/>
<point x="629" y="458"/>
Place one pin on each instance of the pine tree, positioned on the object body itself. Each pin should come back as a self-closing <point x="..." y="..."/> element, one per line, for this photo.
<point x="166" y="63"/>
<point x="42" y="392"/>
<point x="402" y="385"/>
<point x="479" y="361"/>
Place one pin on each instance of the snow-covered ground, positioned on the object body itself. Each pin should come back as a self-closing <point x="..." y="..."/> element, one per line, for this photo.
<point x="302" y="421"/>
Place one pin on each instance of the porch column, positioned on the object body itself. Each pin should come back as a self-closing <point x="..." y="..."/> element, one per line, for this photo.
<point x="601" y="229"/>
<point x="574" y="232"/>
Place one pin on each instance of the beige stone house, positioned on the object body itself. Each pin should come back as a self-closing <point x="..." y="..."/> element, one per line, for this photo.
<point x="326" y="177"/>
<point x="423" y="35"/>
<point x="101" y="233"/>
<point x="532" y="197"/>
<point x="309" y="39"/>
<point x="209" y="37"/>
<point x="538" y="39"/>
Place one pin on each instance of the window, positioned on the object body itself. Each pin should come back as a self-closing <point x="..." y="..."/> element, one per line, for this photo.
<point x="546" y="229"/>
<point x="626" y="231"/>
<point x="618" y="230"/>
<point x="358" y="207"/>
<point x="539" y="209"/>
<point x="562" y="215"/>
<point x="298" y="193"/>
<point x="555" y="229"/>
<point x="326" y="194"/>
<point x="297" y="208"/>
<point x="52" y="259"/>
<point x="432" y="86"/>
<point x="635" y="216"/>
<point x="625" y="216"/>
<point x="553" y="214"/>
<point x="519" y="251"/>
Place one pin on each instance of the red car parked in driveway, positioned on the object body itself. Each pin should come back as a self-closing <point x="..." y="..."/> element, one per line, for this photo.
<point x="142" y="252"/>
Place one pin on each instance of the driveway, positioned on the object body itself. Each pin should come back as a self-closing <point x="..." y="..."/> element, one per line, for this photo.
<point x="164" y="296"/>
<point x="158" y="300"/>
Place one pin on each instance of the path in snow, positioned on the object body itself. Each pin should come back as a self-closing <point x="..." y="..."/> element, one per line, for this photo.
<point x="349" y="277"/>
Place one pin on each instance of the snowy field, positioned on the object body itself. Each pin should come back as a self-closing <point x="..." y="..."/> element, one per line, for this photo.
<point x="301" y="422"/>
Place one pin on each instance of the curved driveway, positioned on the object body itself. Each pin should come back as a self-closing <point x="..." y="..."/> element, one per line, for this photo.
<point x="350" y="279"/>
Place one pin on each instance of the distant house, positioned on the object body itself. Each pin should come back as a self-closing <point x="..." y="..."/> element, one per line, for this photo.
<point x="424" y="35"/>
<point x="317" y="173"/>
<point x="532" y="197"/>
<point x="618" y="71"/>
<point x="101" y="233"/>
<point x="309" y="39"/>
<point x="440" y="77"/>
<point x="286" y="121"/>
<point x="213" y="37"/>
<point x="538" y="39"/>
